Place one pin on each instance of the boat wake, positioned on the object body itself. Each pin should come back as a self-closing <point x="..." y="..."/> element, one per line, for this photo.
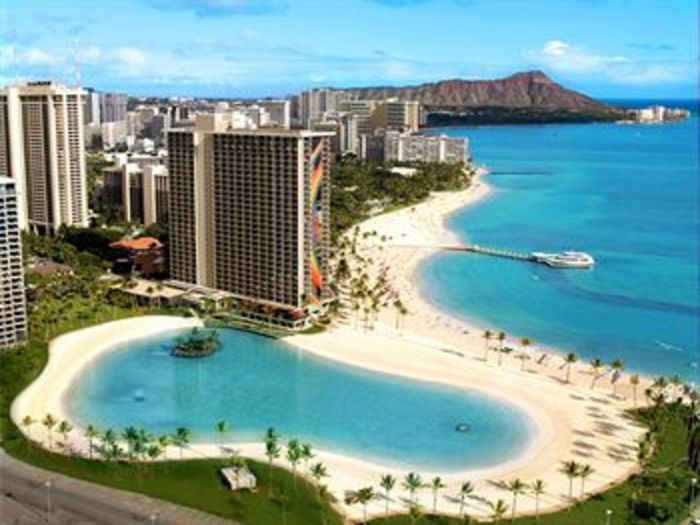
<point x="670" y="347"/>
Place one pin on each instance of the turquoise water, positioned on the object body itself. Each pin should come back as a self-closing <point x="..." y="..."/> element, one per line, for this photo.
<point x="627" y="194"/>
<point x="256" y="382"/>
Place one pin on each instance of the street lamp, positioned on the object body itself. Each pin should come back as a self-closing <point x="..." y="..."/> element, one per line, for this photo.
<point x="608" y="516"/>
<point x="691" y="502"/>
<point x="48" y="484"/>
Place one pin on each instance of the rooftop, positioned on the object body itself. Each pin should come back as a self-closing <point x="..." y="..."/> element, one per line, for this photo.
<point x="137" y="245"/>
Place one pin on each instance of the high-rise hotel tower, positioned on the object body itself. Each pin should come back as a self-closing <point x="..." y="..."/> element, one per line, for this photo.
<point x="13" y="316"/>
<point x="42" y="149"/>
<point x="249" y="212"/>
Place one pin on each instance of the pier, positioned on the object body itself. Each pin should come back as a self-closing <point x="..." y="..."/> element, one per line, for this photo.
<point x="494" y="252"/>
<point x="570" y="259"/>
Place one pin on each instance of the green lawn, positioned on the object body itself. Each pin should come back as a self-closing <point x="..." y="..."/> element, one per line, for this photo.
<point x="664" y="484"/>
<point x="197" y="484"/>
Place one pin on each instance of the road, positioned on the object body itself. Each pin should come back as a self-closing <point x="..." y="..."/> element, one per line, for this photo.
<point x="25" y="499"/>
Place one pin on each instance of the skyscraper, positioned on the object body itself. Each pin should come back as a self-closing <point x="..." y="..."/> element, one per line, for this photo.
<point x="113" y="106"/>
<point x="13" y="316"/>
<point x="91" y="109"/>
<point x="42" y="149"/>
<point x="315" y="102"/>
<point x="249" y="213"/>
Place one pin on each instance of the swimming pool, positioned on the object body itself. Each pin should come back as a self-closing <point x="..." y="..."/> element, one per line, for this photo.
<point x="255" y="382"/>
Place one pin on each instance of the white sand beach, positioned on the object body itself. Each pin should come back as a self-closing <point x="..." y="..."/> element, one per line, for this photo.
<point x="574" y="421"/>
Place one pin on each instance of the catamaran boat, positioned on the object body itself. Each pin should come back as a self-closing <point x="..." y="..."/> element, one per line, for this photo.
<point x="577" y="260"/>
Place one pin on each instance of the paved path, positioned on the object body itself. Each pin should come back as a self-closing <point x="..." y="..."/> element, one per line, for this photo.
<point x="24" y="500"/>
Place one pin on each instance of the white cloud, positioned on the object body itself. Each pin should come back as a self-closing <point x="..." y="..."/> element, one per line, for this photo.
<point x="565" y="58"/>
<point x="555" y="48"/>
<point x="130" y="60"/>
<point x="36" y="57"/>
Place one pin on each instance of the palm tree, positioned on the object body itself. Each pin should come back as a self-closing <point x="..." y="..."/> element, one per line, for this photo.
<point x="537" y="488"/>
<point x="501" y="346"/>
<point x="571" y="469"/>
<point x="154" y="451"/>
<point x="272" y="451"/>
<point x="525" y="342"/>
<point x="307" y="454"/>
<point x="64" y="428"/>
<point x="498" y="510"/>
<point x="523" y="357"/>
<point x="596" y="365"/>
<point x="181" y="438"/>
<point x="364" y="496"/>
<point x="91" y="433"/>
<point x="617" y="365"/>
<point x="487" y="343"/>
<point x="634" y="381"/>
<point x="387" y="482"/>
<point x="318" y="472"/>
<point x="222" y="427"/>
<point x="164" y="442"/>
<point x="294" y="456"/>
<point x="464" y="491"/>
<point x="412" y="482"/>
<point x="398" y="305"/>
<point x="49" y="422"/>
<point x="570" y="359"/>
<point x="583" y="473"/>
<point x="27" y="422"/>
<point x="516" y="487"/>
<point x="436" y="484"/>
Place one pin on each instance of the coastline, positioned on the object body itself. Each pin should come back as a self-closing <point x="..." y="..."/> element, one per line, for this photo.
<point x="588" y="425"/>
<point x="558" y="428"/>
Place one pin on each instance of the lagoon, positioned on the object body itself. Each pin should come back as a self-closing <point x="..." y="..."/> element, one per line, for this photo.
<point x="255" y="382"/>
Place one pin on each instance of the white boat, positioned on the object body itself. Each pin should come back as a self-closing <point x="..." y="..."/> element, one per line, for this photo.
<point x="578" y="260"/>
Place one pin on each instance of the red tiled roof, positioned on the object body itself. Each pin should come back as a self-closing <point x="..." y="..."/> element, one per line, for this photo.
<point x="137" y="245"/>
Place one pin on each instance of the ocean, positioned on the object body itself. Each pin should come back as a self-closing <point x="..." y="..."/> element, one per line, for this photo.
<point x="626" y="194"/>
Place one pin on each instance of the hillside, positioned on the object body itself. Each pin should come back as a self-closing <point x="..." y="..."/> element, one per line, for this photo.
<point x="524" y="97"/>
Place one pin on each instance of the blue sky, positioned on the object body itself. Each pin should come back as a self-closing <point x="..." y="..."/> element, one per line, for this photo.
<point x="605" y="48"/>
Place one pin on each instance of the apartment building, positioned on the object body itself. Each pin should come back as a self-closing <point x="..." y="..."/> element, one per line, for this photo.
<point x="13" y="314"/>
<point x="113" y="106"/>
<point x="141" y="191"/>
<point x="313" y="103"/>
<point x="249" y="214"/>
<point x="279" y="112"/>
<point x="393" y="146"/>
<point x="397" y="115"/>
<point x="42" y="149"/>
<point x="363" y="111"/>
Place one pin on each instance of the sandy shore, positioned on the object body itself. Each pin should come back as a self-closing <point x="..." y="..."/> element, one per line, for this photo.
<point x="583" y="424"/>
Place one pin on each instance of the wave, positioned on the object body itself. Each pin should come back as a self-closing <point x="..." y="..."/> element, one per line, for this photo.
<point x="667" y="346"/>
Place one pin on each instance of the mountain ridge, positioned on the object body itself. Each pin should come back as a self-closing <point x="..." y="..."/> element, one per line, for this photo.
<point x="528" y="89"/>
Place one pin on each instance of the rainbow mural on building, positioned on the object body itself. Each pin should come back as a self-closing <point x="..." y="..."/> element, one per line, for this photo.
<point x="317" y="174"/>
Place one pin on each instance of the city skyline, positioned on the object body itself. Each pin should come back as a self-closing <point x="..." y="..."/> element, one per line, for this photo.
<point x="240" y="48"/>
